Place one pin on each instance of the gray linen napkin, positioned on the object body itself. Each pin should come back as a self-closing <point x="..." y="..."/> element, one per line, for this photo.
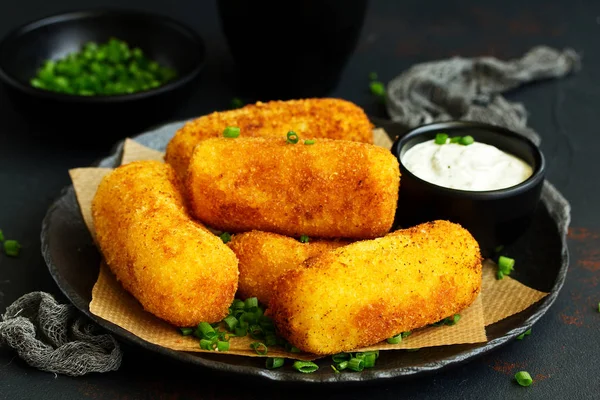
<point x="55" y="338"/>
<point x="469" y="89"/>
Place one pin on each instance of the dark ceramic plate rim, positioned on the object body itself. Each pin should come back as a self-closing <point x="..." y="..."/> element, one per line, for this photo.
<point x="560" y="215"/>
<point x="92" y="12"/>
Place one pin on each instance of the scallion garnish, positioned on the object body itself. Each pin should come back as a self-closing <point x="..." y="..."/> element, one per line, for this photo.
<point x="526" y="333"/>
<point x="225" y="237"/>
<point x="395" y="339"/>
<point x="259" y="347"/>
<point x="1" y="236"/>
<point x="274" y="362"/>
<point x="467" y="140"/>
<point x="506" y="265"/>
<point x="231" y="132"/>
<point x="230" y="322"/>
<point x="455" y="139"/>
<point x="356" y="364"/>
<point x="369" y="359"/>
<point x="377" y="88"/>
<point x="406" y="334"/>
<point x="499" y="275"/>
<point x="441" y="138"/>
<point x="292" y="137"/>
<point x="304" y="239"/>
<point x="309" y="141"/>
<point x="205" y="328"/>
<point x="251" y="304"/>
<point x="186" y="331"/>
<point x="222" y="346"/>
<point x="338" y="358"/>
<point x="523" y="378"/>
<point x="305" y="367"/>
<point x="206" y="344"/>
<point x="335" y="369"/>
<point x="12" y="248"/>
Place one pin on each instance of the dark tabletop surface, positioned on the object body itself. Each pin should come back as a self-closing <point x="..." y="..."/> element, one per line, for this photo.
<point x="561" y="355"/>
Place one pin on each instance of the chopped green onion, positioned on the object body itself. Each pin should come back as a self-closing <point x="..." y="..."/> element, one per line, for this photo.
<point x="506" y="265"/>
<point x="256" y="332"/>
<point x="236" y="103"/>
<point x="240" y="331"/>
<point x="259" y="348"/>
<point x="523" y="378"/>
<point x="338" y="358"/>
<point x="359" y="355"/>
<point x="377" y="88"/>
<point x="453" y="320"/>
<point x="304" y="239"/>
<point x="231" y="132"/>
<point x="222" y="346"/>
<point x="225" y="237"/>
<point x="467" y="140"/>
<point x="455" y="139"/>
<point x="251" y="304"/>
<point x="526" y="333"/>
<point x="305" y="367"/>
<point x="12" y="248"/>
<point x="186" y="331"/>
<point x="342" y="365"/>
<point x="373" y="76"/>
<point x="598" y="306"/>
<point x="230" y="322"/>
<point x="1" y="236"/>
<point x="309" y="141"/>
<point x="294" y="349"/>
<point x="211" y="335"/>
<point x="205" y="328"/>
<point x="441" y="138"/>
<point x="499" y="275"/>
<point x="406" y="334"/>
<point x="270" y="340"/>
<point x="369" y="359"/>
<point x="356" y="364"/>
<point x="238" y="304"/>
<point x="395" y="339"/>
<point x="206" y="344"/>
<point x="334" y="369"/>
<point x="274" y="362"/>
<point x="292" y="137"/>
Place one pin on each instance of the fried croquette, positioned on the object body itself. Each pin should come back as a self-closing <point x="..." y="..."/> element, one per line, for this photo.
<point x="330" y="189"/>
<point x="363" y="293"/>
<point x="264" y="256"/>
<point x="173" y="266"/>
<point x="309" y="118"/>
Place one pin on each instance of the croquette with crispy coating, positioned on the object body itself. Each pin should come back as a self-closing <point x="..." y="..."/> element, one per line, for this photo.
<point x="173" y="266"/>
<point x="309" y="118"/>
<point x="368" y="291"/>
<point x="330" y="189"/>
<point x="264" y="256"/>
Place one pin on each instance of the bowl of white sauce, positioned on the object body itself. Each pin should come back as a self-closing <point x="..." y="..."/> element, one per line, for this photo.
<point x="486" y="178"/>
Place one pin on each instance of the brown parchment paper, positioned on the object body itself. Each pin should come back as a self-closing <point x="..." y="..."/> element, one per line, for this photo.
<point x="498" y="299"/>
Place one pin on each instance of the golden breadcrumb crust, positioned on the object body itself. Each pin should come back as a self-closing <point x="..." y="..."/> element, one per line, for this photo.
<point x="363" y="293"/>
<point x="175" y="267"/>
<point x="309" y="118"/>
<point x="331" y="189"/>
<point x="264" y="256"/>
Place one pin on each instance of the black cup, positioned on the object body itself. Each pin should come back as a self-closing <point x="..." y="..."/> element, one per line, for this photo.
<point x="495" y="217"/>
<point x="291" y="49"/>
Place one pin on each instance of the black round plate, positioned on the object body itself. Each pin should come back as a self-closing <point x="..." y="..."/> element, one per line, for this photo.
<point x="73" y="261"/>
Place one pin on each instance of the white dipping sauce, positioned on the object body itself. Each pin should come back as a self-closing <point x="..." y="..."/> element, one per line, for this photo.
<point x="476" y="167"/>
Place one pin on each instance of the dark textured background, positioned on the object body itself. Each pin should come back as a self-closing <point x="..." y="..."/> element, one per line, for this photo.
<point x="562" y="353"/>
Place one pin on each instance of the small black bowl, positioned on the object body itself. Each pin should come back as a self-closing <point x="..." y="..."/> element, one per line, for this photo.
<point x="162" y="39"/>
<point x="495" y="217"/>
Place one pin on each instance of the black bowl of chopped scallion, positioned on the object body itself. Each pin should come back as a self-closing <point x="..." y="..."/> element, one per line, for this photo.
<point x="118" y="71"/>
